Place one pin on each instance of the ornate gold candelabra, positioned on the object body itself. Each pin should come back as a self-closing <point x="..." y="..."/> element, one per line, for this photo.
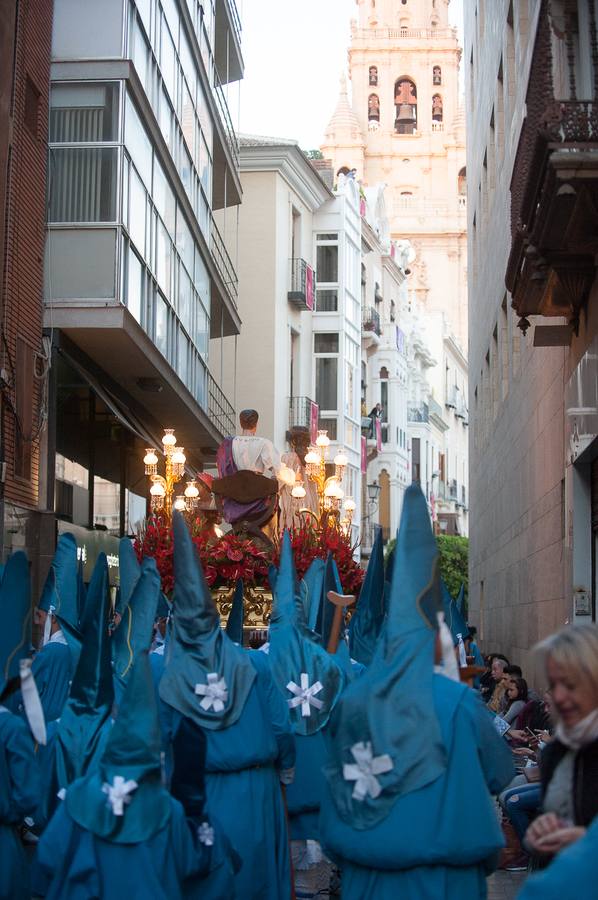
<point x="330" y="492"/>
<point x="162" y="486"/>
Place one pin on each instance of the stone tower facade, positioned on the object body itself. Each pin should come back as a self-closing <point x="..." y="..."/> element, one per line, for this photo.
<point x="404" y="128"/>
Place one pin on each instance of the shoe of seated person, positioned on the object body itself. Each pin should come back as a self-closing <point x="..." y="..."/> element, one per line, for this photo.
<point x="519" y="863"/>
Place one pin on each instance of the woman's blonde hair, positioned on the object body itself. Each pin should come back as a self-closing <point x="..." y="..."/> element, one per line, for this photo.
<point x="575" y="648"/>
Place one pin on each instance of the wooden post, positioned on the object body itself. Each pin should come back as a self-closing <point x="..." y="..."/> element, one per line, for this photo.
<point x="339" y="601"/>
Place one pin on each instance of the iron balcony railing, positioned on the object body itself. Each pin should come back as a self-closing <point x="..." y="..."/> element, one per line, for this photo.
<point x="370" y="320"/>
<point x="418" y="412"/>
<point x="301" y="411"/>
<point x="434" y="408"/>
<point x="453" y="490"/>
<point x="302" y="287"/>
<point x="219" y="409"/>
<point x="224" y="263"/>
<point x="229" y="129"/>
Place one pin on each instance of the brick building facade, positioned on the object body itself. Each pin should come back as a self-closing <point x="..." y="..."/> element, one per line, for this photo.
<point x="25" y="45"/>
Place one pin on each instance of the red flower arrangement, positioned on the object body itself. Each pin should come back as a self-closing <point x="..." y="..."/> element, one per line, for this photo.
<point x="309" y="543"/>
<point x="227" y="558"/>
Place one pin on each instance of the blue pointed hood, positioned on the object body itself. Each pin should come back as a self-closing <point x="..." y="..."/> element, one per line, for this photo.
<point x="135" y="630"/>
<point x="15" y="609"/>
<point x="61" y="591"/>
<point x="389" y="710"/>
<point x="206" y="676"/>
<point x="310" y="592"/>
<point x="300" y="666"/>
<point x="132" y="753"/>
<point x="453" y="618"/>
<point x="367" y="620"/>
<point x="234" y="625"/>
<point x="129" y="573"/>
<point x="84" y="725"/>
<point x="331" y="582"/>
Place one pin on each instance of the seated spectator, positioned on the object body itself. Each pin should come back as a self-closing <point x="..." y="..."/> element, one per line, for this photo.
<point x="535" y="717"/>
<point x="497" y="668"/>
<point x="569" y="764"/>
<point x="487" y="682"/>
<point x="516" y="698"/>
<point x="521" y="801"/>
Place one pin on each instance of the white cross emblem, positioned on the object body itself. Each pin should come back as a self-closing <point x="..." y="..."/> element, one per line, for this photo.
<point x="214" y="693"/>
<point x="363" y="772"/>
<point x="305" y="695"/>
<point x="119" y="793"/>
<point x="205" y="833"/>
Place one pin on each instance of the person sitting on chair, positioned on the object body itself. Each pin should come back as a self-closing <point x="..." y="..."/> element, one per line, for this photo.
<point x="248" y="452"/>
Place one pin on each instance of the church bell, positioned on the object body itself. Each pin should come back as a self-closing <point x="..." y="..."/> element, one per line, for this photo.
<point x="405" y="115"/>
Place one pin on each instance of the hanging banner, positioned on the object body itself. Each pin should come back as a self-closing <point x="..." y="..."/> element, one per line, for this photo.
<point x="364" y="454"/>
<point x="314" y="413"/>
<point x="378" y="434"/>
<point x="309" y="287"/>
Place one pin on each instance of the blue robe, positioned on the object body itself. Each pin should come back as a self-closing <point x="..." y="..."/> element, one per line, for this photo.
<point x="305" y="793"/>
<point x="19" y="791"/>
<point x="573" y="873"/>
<point x="72" y="863"/>
<point x="441" y="840"/>
<point x="53" y="669"/>
<point x="243" y="791"/>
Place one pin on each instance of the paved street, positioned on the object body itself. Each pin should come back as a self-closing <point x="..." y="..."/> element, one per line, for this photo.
<point x="504" y="885"/>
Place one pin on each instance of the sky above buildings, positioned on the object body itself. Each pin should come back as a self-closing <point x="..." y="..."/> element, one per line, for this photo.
<point x="294" y="55"/>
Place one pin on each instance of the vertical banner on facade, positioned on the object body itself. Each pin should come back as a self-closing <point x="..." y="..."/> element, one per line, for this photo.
<point x="314" y="412"/>
<point x="378" y="434"/>
<point x="364" y="454"/>
<point x="309" y="287"/>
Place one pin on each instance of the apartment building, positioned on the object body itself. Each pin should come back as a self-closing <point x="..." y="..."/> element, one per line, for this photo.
<point x="300" y="301"/>
<point x="532" y="181"/>
<point x="139" y="281"/>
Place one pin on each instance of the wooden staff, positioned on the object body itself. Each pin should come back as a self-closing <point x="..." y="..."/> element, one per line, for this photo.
<point x="339" y="601"/>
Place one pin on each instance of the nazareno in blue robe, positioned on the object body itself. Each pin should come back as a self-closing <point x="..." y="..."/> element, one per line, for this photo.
<point x="73" y="863"/>
<point x="243" y="765"/>
<point x="439" y="841"/>
<point x="19" y="791"/>
<point x="53" y="669"/>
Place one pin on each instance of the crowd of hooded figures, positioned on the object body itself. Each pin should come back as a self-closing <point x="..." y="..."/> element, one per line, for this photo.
<point x="204" y="769"/>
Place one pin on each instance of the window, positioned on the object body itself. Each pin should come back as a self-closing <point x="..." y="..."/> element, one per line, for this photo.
<point x="327" y="272"/>
<point x="135" y="272"/>
<point x="436" y="75"/>
<point x="373" y="76"/>
<point x="437" y="108"/>
<point x="405" y="99"/>
<point x="462" y="182"/>
<point x="415" y="459"/>
<point x="373" y="108"/>
<point x="82" y="184"/>
<point x="83" y="180"/>
<point x="138" y="143"/>
<point x="325" y="342"/>
<point x="326" y="347"/>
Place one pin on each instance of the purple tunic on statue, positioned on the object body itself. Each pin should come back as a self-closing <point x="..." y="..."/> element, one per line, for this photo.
<point x="234" y="511"/>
